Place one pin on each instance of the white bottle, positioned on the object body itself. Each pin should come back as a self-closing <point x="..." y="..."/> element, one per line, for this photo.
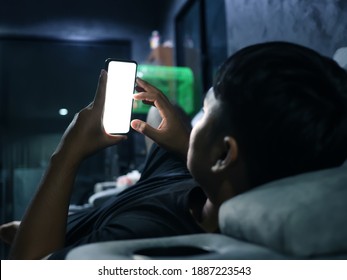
<point x="154" y="40"/>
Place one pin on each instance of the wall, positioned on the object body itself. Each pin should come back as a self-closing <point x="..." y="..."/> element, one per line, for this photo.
<point x="321" y="25"/>
<point x="86" y="20"/>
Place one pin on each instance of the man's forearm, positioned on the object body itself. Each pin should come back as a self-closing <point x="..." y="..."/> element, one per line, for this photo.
<point x="43" y="227"/>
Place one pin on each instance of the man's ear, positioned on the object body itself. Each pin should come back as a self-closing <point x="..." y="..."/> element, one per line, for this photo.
<point x="228" y="156"/>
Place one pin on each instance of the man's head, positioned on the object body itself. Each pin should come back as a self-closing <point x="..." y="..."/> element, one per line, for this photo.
<point x="283" y="106"/>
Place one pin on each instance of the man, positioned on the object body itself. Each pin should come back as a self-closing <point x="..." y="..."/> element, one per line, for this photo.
<point x="275" y="110"/>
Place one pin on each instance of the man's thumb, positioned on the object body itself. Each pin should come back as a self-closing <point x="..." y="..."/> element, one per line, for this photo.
<point x="144" y="128"/>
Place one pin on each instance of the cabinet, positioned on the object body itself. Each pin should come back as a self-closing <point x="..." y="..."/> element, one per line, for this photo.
<point x="161" y="56"/>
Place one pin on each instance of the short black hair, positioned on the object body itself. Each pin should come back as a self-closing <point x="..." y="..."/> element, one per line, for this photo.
<point x="287" y="106"/>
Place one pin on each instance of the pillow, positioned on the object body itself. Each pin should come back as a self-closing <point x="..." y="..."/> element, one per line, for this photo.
<point x="303" y="215"/>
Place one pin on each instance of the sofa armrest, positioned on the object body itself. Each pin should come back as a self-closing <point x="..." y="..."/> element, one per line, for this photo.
<point x="196" y="246"/>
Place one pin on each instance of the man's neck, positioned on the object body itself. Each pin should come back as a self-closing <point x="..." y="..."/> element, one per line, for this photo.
<point x="204" y="211"/>
<point x="209" y="217"/>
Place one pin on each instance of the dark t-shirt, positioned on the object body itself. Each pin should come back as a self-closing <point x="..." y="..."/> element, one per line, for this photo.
<point x="158" y="205"/>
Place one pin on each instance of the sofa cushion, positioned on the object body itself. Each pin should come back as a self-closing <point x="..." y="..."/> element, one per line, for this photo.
<point x="303" y="215"/>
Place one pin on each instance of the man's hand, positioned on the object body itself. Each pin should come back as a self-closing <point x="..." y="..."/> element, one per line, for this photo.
<point x="172" y="133"/>
<point x="85" y="134"/>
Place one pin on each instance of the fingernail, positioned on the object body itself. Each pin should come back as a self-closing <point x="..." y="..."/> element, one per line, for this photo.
<point x="137" y="125"/>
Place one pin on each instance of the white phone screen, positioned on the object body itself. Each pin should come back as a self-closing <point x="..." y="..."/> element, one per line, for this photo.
<point x="119" y="96"/>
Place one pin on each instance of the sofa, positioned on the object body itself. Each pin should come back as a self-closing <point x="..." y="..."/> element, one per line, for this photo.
<point x="298" y="217"/>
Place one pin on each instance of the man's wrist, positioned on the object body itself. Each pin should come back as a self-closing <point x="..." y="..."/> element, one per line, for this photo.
<point x="64" y="158"/>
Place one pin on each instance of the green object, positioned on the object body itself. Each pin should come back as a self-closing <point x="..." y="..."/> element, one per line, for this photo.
<point x="177" y="83"/>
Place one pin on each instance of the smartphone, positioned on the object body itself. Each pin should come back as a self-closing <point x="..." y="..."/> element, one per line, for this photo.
<point x="119" y="95"/>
